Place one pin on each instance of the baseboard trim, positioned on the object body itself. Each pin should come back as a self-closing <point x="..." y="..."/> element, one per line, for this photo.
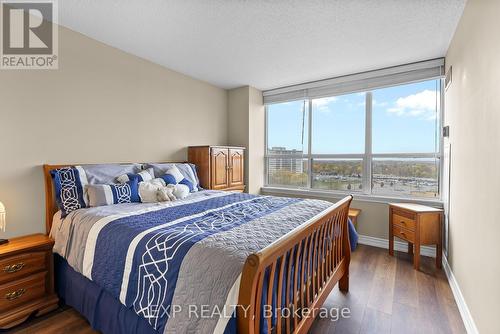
<point x="469" y="323"/>
<point x="398" y="245"/>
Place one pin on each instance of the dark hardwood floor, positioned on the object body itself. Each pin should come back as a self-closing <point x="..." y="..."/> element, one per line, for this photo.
<point x="386" y="296"/>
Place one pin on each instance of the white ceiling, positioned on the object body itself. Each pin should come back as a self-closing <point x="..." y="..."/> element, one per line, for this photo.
<point x="269" y="44"/>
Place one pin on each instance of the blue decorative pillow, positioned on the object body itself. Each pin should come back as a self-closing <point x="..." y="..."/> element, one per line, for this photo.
<point x="174" y="176"/>
<point x="169" y="179"/>
<point x="69" y="184"/>
<point x="145" y="175"/>
<point x="188" y="183"/>
<point x="107" y="194"/>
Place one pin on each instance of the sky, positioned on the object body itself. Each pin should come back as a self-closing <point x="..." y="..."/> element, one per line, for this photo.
<point x="404" y="120"/>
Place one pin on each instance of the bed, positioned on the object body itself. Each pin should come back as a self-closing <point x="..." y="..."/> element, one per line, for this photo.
<point x="215" y="262"/>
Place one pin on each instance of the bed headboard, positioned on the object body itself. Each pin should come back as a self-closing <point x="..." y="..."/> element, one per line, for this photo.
<point x="50" y="199"/>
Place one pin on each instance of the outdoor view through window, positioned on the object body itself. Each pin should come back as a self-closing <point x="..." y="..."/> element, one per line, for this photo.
<point x="392" y="152"/>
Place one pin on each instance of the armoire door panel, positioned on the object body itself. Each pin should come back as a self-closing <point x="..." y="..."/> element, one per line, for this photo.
<point x="220" y="168"/>
<point x="236" y="167"/>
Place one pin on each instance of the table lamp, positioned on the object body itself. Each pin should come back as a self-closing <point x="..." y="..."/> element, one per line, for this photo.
<point x="2" y="222"/>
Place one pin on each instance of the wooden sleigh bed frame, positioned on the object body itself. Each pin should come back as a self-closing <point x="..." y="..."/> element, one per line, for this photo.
<point x="320" y="249"/>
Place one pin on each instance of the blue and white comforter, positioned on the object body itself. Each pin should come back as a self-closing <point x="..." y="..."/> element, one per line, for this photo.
<point x="189" y="252"/>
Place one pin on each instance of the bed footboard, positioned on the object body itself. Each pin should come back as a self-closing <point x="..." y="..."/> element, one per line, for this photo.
<point x="284" y="285"/>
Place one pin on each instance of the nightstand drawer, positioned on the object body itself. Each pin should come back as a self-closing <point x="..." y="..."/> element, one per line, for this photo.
<point x="404" y="233"/>
<point x="21" y="265"/>
<point x="404" y="222"/>
<point x="22" y="291"/>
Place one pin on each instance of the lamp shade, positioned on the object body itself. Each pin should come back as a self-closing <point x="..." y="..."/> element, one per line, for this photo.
<point x="2" y="217"/>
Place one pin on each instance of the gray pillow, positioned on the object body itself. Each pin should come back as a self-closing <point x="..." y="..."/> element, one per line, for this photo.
<point x="107" y="173"/>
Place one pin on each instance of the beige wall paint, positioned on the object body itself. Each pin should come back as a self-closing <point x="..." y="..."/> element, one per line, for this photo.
<point x="237" y="105"/>
<point x="246" y="128"/>
<point x="102" y="105"/>
<point x="473" y="113"/>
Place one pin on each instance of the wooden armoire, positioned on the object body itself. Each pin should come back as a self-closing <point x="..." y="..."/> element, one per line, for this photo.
<point x="219" y="167"/>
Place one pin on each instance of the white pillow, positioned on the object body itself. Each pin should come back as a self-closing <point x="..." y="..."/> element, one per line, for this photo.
<point x="166" y="194"/>
<point x="148" y="191"/>
<point x="180" y="190"/>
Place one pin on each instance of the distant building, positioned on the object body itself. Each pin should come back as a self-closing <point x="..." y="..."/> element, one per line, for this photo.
<point x="294" y="165"/>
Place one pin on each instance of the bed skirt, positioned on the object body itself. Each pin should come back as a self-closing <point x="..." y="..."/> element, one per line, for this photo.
<point x="103" y="311"/>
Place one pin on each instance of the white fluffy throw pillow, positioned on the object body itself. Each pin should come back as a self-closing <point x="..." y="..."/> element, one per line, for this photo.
<point x="180" y="191"/>
<point x="148" y="192"/>
<point x="166" y="194"/>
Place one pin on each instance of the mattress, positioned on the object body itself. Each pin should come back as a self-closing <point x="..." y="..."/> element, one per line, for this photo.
<point x="177" y="265"/>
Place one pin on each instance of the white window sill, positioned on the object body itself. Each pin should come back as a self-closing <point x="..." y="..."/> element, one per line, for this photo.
<point x="329" y="195"/>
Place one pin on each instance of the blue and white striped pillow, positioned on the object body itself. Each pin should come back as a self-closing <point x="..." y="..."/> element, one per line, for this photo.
<point x="69" y="184"/>
<point x="188" y="170"/>
<point x="174" y="176"/>
<point x="144" y="176"/>
<point x="108" y="194"/>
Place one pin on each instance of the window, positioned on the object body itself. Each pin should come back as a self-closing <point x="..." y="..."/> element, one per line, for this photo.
<point x="384" y="141"/>
<point x="334" y="120"/>
<point x="287" y="143"/>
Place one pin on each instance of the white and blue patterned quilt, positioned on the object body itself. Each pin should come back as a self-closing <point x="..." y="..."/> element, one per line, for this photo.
<point x="153" y="257"/>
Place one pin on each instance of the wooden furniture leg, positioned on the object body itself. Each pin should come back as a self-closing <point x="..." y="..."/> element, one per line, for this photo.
<point x="416" y="256"/>
<point x="439" y="246"/>
<point x="439" y="253"/>
<point x="391" y="234"/>
<point x="410" y="248"/>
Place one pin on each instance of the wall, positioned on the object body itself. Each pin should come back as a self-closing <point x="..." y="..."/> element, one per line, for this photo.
<point x="473" y="113"/>
<point x="102" y="105"/>
<point x="246" y="121"/>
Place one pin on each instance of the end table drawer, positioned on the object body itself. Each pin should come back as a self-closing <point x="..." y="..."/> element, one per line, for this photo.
<point x="21" y="265"/>
<point x="404" y="233"/>
<point x="404" y="222"/>
<point x="22" y="291"/>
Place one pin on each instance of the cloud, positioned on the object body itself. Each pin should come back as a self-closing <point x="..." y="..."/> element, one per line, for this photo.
<point x="421" y="105"/>
<point x="322" y="104"/>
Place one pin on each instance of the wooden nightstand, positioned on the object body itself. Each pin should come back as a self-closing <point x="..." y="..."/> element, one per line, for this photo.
<point x="417" y="224"/>
<point x="353" y="214"/>
<point x="26" y="279"/>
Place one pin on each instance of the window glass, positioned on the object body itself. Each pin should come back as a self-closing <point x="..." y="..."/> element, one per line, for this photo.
<point x="405" y="177"/>
<point x="405" y="118"/>
<point x="338" y="124"/>
<point x="287" y="125"/>
<point x="336" y="174"/>
<point x="287" y="171"/>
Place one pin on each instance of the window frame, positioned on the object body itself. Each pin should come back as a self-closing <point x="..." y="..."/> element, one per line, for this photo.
<point x="368" y="157"/>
